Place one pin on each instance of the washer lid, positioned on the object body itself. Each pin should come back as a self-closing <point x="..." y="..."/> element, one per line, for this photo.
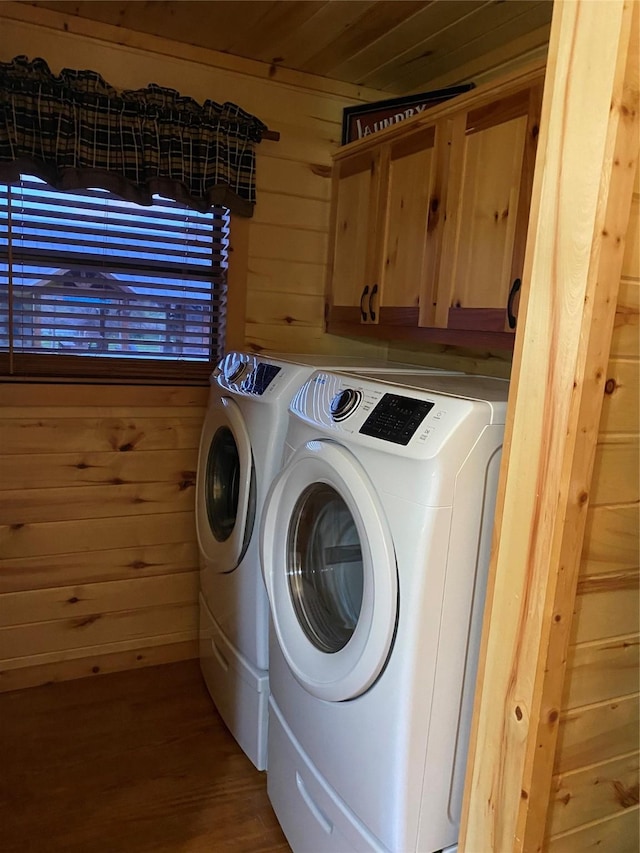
<point x="330" y="571"/>
<point x="225" y="501"/>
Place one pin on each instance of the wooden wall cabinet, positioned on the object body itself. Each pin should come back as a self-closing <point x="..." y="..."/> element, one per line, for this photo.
<point x="429" y="221"/>
<point x="385" y="210"/>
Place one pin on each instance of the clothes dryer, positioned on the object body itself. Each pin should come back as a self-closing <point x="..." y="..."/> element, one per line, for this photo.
<point x="375" y="542"/>
<point x="240" y="453"/>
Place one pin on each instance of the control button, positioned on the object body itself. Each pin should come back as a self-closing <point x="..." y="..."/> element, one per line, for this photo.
<point x="344" y="403"/>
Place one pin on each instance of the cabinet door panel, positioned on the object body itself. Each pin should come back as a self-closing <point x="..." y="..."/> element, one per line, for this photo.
<point x="407" y="217"/>
<point x="489" y="203"/>
<point x="355" y="188"/>
<point x="489" y="192"/>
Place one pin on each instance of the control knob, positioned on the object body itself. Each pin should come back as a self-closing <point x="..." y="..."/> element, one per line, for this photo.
<point x="236" y="372"/>
<point x="344" y="403"/>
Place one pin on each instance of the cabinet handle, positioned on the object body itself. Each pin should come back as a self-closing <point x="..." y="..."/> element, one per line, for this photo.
<point x="365" y="290"/>
<point x="374" y="290"/>
<point x="511" y="318"/>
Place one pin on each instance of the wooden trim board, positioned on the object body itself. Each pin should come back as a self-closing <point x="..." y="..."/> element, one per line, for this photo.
<point x="581" y="198"/>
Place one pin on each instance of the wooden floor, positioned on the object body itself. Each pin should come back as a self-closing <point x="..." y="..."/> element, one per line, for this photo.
<point x="132" y="762"/>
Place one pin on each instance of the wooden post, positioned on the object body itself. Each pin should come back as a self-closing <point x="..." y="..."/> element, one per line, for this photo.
<point x="581" y="198"/>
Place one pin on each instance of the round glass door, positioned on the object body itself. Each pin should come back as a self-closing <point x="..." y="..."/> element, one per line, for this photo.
<point x="330" y="571"/>
<point x="225" y="487"/>
<point x="325" y="568"/>
<point x="222" y="484"/>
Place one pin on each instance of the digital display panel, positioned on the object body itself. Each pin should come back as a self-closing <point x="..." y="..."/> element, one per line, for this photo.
<point x="396" y="418"/>
<point x="260" y="378"/>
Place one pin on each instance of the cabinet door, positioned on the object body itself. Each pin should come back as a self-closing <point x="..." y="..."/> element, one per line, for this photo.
<point x="489" y="192"/>
<point x="411" y="228"/>
<point x="352" y="261"/>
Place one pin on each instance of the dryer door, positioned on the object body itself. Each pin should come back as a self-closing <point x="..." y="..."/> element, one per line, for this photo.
<point x="330" y="572"/>
<point x="225" y="511"/>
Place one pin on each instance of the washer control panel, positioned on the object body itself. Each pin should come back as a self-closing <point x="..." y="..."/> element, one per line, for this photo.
<point x="414" y="417"/>
<point x="396" y="418"/>
<point x="371" y="409"/>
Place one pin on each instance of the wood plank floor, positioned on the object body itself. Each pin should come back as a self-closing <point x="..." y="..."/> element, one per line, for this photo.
<point x="131" y="762"/>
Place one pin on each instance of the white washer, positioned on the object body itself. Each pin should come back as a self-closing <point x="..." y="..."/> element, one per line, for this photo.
<point x="375" y="542"/>
<point x="240" y="453"/>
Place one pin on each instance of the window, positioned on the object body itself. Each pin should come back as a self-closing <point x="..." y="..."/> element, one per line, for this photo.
<point x="94" y="286"/>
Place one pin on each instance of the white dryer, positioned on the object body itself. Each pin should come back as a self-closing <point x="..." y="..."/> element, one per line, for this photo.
<point x="240" y="453"/>
<point x="375" y="542"/>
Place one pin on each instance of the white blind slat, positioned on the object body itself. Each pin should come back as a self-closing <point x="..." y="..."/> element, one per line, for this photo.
<point x="90" y="274"/>
<point x="166" y="279"/>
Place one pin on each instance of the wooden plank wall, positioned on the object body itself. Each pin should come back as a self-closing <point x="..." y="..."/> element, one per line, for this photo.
<point x="594" y="800"/>
<point x="98" y="558"/>
<point x="486" y="362"/>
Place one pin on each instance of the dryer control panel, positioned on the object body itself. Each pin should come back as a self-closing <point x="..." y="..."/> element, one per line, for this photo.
<point x="260" y="378"/>
<point x="245" y="374"/>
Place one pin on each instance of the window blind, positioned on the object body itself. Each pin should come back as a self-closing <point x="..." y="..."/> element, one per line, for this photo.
<point x="91" y="285"/>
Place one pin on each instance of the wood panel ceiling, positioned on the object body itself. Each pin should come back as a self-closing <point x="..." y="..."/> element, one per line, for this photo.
<point x="398" y="46"/>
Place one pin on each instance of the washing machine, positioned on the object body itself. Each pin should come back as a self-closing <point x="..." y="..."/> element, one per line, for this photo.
<point x="375" y="543"/>
<point x="240" y="453"/>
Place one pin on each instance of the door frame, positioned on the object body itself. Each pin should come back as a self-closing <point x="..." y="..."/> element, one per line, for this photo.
<point x="585" y="167"/>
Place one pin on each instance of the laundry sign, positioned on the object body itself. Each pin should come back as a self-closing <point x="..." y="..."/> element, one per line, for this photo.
<point x="361" y="121"/>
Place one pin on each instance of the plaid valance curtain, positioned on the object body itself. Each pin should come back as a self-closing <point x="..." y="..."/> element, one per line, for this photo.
<point x="75" y="131"/>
